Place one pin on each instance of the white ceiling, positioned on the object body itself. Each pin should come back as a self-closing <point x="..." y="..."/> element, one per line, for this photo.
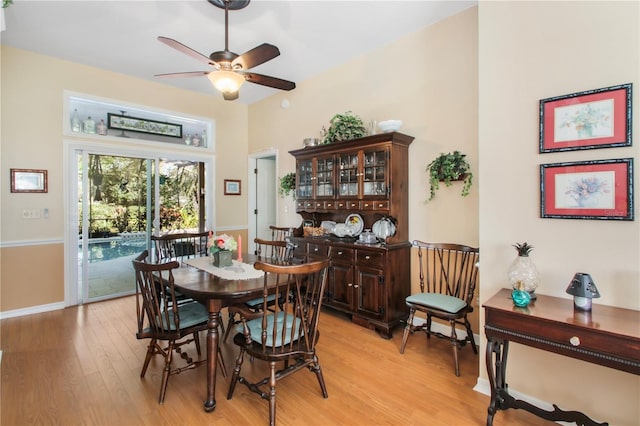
<point x="121" y="36"/>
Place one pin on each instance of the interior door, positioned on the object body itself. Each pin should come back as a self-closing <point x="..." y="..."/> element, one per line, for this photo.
<point x="265" y="196"/>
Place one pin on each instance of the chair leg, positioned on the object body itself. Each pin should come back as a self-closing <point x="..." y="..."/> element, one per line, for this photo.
<point x="196" y="339"/>
<point x="428" y="326"/>
<point x="150" y="351"/>
<point x="230" y="325"/>
<point x="407" y="329"/>
<point x="454" y="346"/>
<point x="315" y="367"/>
<point x="272" y="393"/>
<point x="166" y="372"/>
<point x="223" y="368"/>
<point x="470" y="335"/>
<point x="236" y="374"/>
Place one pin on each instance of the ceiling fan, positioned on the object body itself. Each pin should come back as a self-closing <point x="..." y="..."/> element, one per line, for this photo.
<point x="230" y="69"/>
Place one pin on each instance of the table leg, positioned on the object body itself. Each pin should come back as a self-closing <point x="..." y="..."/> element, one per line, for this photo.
<point x="497" y="376"/>
<point x="212" y="354"/>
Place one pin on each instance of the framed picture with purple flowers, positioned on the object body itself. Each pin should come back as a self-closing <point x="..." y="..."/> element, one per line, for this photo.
<point x="599" y="118"/>
<point x="599" y="189"/>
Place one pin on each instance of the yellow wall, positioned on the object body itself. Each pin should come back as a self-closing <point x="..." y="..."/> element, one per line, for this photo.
<point x="429" y="80"/>
<point x="32" y="137"/>
<point x="531" y="51"/>
<point x="471" y="82"/>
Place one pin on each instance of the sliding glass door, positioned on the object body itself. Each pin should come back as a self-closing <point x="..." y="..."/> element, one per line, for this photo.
<point x="121" y="201"/>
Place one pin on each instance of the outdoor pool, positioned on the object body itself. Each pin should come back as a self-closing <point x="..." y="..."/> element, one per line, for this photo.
<point x="113" y="249"/>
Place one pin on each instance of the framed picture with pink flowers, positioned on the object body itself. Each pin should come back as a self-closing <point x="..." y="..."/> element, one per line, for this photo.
<point x="599" y="118"/>
<point x="599" y="189"/>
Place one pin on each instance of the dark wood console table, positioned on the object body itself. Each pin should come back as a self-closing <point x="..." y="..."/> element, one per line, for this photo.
<point x="606" y="336"/>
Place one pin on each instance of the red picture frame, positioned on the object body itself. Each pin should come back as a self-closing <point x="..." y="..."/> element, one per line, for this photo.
<point x="598" y="118"/>
<point x="599" y="189"/>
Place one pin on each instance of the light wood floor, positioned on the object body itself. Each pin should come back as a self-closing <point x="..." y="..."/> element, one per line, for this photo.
<point x="81" y="366"/>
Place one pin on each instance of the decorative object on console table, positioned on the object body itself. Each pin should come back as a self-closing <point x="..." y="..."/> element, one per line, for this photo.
<point x="598" y="118"/>
<point x="344" y="127"/>
<point x="523" y="270"/>
<point x="449" y="168"/>
<point x="232" y="187"/>
<point x="599" y="189"/>
<point x="583" y="289"/>
<point x="521" y="297"/>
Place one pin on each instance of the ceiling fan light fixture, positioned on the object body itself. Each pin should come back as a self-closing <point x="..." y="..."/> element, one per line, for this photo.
<point x="226" y="81"/>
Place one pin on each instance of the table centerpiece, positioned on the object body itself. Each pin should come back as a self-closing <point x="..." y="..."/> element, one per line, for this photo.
<point x="220" y="249"/>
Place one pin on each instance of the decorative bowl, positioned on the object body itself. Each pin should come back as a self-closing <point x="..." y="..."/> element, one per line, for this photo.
<point x="390" y="125"/>
<point x="310" y="142"/>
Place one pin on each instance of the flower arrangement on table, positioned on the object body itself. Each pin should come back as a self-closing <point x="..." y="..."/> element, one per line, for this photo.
<point x="220" y="248"/>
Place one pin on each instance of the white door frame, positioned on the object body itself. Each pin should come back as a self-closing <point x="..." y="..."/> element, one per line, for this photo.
<point x="70" y="191"/>
<point x="251" y="194"/>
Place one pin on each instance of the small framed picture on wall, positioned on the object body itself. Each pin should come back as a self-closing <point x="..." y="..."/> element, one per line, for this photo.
<point x="231" y="187"/>
<point x="29" y="180"/>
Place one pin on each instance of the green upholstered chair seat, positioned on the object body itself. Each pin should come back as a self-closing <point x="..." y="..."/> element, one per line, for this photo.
<point x="191" y="313"/>
<point x="438" y="301"/>
<point x="258" y="301"/>
<point x="255" y="327"/>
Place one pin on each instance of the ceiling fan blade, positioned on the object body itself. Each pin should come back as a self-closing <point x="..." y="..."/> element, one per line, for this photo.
<point x="265" y="80"/>
<point x="256" y="56"/>
<point x="231" y="96"/>
<point x="183" y="74"/>
<point x="185" y="49"/>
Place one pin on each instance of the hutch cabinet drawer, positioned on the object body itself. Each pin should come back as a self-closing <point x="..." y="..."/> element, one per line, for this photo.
<point x="321" y="250"/>
<point x="370" y="258"/>
<point x="306" y="204"/>
<point x="375" y="205"/>
<point x="342" y="254"/>
<point x="329" y="205"/>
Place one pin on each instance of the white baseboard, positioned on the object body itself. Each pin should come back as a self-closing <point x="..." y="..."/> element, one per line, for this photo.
<point x="32" y="310"/>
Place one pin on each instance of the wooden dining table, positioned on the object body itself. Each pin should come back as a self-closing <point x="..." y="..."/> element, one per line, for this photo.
<point x="215" y="293"/>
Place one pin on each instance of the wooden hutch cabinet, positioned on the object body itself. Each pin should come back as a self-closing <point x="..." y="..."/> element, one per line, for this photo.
<point x="367" y="176"/>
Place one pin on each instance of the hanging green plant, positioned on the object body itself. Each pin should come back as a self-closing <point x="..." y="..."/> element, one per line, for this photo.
<point x="287" y="185"/>
<point x="344" y="127"/>
<point x="449" y="168"/>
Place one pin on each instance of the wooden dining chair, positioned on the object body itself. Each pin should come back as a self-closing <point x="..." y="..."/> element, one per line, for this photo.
<point x="269" y="251"/>
<point x="280" y="233"/>
<point x="180" y="246"/>
<point x="287" y="333"/>
<point x="162" y="319"/>
<point x="448" y="275"/>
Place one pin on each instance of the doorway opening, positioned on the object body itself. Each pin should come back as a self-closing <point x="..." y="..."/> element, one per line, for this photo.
<point x="262" y="195"/>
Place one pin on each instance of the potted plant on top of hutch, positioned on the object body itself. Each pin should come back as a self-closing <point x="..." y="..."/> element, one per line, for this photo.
<point x="367" y="178"/>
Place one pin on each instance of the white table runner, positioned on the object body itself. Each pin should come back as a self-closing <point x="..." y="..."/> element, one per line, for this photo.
<point x="238" y="271"/>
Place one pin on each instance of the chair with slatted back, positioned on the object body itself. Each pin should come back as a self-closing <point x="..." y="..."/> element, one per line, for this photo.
<point x="288" y="333"/>
<point x="280" y="233"/>
<point x="270" y="251"/>
<point x="162" y="319"/>
<point x="448" y="275"/>
<point x="180" y="246"/>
